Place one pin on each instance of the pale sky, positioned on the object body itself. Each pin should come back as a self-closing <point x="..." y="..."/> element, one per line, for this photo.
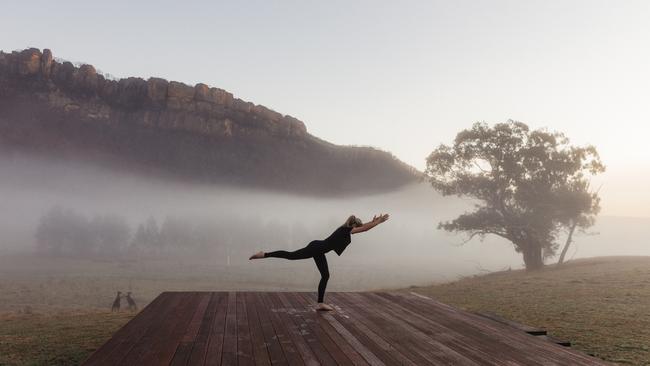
<point x="401" y="76"/>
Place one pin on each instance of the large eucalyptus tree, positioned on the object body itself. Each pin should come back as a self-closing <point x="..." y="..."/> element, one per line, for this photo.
<point x="529" y="185"/>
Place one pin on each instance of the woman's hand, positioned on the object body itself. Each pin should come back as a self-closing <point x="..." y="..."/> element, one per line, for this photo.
<point x="381" y="218"/>
<point x="376" y="220"/>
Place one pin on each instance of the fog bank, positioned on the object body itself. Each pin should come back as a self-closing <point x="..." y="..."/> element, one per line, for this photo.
<point x="406" y="250"/>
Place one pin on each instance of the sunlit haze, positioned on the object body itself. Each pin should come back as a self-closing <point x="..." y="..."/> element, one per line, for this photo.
<point x="403" y="77"/>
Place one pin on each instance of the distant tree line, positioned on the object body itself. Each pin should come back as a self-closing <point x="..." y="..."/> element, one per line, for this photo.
<point x="68" y="233"/>
<point x="65" y="232"/>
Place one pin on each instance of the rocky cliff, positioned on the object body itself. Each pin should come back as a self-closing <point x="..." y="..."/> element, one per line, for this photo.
<point x="192" y="132"/>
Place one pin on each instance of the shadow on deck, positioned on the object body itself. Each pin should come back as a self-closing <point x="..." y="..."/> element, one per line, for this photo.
<point x="281" y="328"/>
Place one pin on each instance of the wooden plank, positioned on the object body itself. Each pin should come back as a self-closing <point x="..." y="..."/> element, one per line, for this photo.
<point x="412" y="335"/>
<point x="244" y="343"/>
<point x="182" y="354"/>
<point x="169" y="343"/>
<point x="522" y="327"/>
<point x="540" y="333"/>
<point x="557" y="341"/>
<point x="229" y="351"/>
<point x="355" y="342"/>
<point x="469" y="337"/>
<point x="126" y="337"/>
<point x="541" y="351"/>
<point x="525" y="347"/>
<point x="370" y="345"/>
<point x="215" y="341"/>
<point x="194" y="325"/>
<point x="289" y="348"/>
<point x="452" y="340"/>
<point x="260" y="351"/>
<point x="295" y="335"/>
<point x="271" y="339"/>
<point x="294" y="350"/>
<point x="353" y="356"/>
<point x="199" y="350"/>
<point x="393" y="334"/>
<point x="159" y="324"/>
<point x="327" y="351"/>
<point x="371" y="353"/>
<point x="466" y="337"/>
<point x="166" y="342"/>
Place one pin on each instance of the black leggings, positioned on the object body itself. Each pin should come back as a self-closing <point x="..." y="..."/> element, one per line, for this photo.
<point x="313" y="250"/>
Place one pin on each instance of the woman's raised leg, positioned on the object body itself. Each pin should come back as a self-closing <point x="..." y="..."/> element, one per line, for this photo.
<point x="302" y="253"/>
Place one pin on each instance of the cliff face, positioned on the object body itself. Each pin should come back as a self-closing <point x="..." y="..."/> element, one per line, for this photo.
<point x="83" y="93"/>
<point x="197" y="133"/>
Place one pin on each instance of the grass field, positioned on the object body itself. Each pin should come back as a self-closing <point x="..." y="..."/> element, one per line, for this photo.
<point x="602" y="305"/>
<point x="63" y="339"/>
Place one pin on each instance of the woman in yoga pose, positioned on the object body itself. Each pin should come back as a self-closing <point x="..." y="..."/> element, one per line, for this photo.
<point x="316" y="249"/>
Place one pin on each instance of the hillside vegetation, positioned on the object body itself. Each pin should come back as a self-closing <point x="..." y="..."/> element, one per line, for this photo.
<point x="170" y="129"/>
<point x="601" y="304"/>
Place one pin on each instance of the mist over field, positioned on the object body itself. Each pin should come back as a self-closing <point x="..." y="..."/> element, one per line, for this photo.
<point x="407" y="250"/>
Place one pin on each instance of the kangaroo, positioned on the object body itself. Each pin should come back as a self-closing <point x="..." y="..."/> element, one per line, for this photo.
<point x="132" y="305"/>
<point x="116" y="302"/>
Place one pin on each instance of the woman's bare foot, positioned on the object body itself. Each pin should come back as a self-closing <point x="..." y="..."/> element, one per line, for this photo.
<point x="324" y="307"/>
<point x="257" y="255"/>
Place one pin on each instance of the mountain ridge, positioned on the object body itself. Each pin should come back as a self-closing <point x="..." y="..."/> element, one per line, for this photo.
<point x="200" y="133"/>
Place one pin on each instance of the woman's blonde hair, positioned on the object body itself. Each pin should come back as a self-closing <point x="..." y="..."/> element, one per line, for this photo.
<point x="353" y="221"/>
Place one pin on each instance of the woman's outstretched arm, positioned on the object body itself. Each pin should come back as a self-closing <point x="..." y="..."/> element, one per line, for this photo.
<point x="370" y="224"/>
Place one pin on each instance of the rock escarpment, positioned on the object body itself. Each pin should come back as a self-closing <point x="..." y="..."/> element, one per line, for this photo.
<point x="153" y="102"/>
<point x="196" y="132"/>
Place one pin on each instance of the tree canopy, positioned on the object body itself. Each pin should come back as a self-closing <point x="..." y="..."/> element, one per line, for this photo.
<point x="528" y="185"/>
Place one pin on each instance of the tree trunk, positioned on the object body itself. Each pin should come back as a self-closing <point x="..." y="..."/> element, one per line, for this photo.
<point x="533" y="256"/>
<point x="568" y="242"/>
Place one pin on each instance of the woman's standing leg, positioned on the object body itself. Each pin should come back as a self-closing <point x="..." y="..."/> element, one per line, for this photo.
<point x="321" y="263"/>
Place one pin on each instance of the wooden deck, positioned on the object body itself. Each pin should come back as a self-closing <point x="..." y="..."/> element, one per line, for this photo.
<point x="281" y="328"/>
